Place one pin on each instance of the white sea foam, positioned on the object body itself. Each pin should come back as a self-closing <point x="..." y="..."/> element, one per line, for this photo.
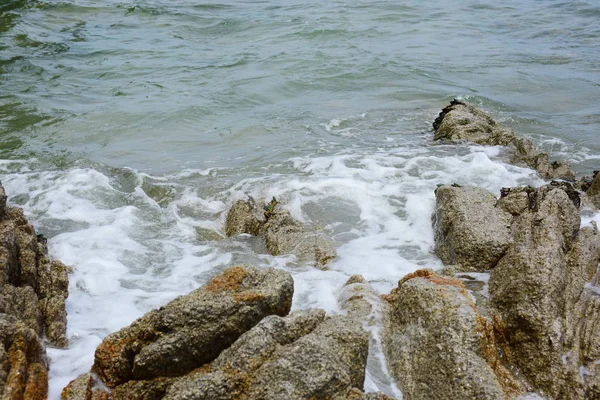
<point x="129" y="254"/>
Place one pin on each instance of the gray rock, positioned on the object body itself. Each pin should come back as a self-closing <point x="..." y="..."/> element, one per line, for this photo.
<point x="469" y="230"/>
<point x="285" y="235"/>
<point x="359" y="299"/>
<point x="529" y="286"/>
<point x="304" y="355"/>
<point x="438" y="346"/>
<point x="282" y="233"/>
<point x="192" y="330"/>
<point x="242" y="218"/>
<point x="462" y="121"/>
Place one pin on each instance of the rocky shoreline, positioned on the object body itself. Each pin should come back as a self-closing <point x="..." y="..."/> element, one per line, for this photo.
<point x="515" y="311"/>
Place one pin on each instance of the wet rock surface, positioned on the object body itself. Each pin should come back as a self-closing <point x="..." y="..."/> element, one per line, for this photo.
<point x="33" y="289"/>
<point x="528" y="289"/>
<point x="23" y="363"/>
<point x="469" y="229"/>
<point x="230" y="339"/>
<point x="462" y="121"/>
<point x="437" y="344"/>
<point x="282" y="233"/>
<point x="304" y="355"/>
<point x="193" y="329"/>
<point x="590" y="185"/>
<point x="542" y="305"/>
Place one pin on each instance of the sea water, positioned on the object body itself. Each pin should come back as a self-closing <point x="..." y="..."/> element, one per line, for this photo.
<point x="128" y="128"/>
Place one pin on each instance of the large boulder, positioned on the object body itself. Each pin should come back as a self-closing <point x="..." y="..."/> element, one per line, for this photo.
<point x="216" y="348"/>
<point x="282" y="233"/>
<point x="536" y="286"/>
<point x="460" y="121"/>
<point x="192" y="330"/>
<point x="469" y="230"/>
<point x="438" y="346"/>
<point x="304" y="355"/>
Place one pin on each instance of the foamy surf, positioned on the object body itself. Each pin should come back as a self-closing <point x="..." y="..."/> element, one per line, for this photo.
<point x="130" y="254"/>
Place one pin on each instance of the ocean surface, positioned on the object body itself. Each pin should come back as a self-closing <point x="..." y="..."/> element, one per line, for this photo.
<point x="129" y="127"/>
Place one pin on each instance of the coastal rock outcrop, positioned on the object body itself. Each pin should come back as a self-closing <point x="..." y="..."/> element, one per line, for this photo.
<point x="193" y="329"/>
<point x="542" y="305"/>
<point x="462" y="121"/>
<point x="282" y="233"/>
<point x="231" y="339"/>
<point x="23" y="363"/>
<point x="438" y="345"/>
<point x="304" y="355"/>
<point x="469" y="229"/>
<point x="33" y="289"/>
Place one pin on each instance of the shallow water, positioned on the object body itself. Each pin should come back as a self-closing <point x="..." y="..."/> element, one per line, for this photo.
<point x="129" y="127"/>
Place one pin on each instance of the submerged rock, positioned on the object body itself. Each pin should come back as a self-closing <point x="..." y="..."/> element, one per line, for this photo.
<point x="469" y="229"/>
<point x="438" y="346"/>
<point x="285" y="235"/>
<point x="282" y="233"/>
<point x="462" y="121"/>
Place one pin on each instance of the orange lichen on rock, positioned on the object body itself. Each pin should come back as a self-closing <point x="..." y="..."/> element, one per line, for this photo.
<point x="248" y="296"/>
<point x="229" y="281"/>
<point x="492" y="351"/>
<point x="420" y="273"/>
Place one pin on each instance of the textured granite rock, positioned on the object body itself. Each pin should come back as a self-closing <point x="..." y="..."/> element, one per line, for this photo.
<point x="23" y="363"/>
<point x="469" y="229"/>
<point x="462" y="121"/>
<point x="282" y="233"/>
<point x="193" y="329"/>
<point x="437" y="344"/>
<point x="33" y="289"/>
<point x="535" y="286"/>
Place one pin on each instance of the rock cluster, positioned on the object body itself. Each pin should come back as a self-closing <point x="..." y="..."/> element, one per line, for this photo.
<point x="537" y="329"/>
<point x="282" y="233"/>
<point x="33" y="289"/>
<point x="462" y="121"/>
<point x="231" y="339"/>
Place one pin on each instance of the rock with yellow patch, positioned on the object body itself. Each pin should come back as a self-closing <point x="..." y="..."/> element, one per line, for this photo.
<point x="535" y="285"/>
<point x="33" y="287"/>
<point x="23" y="363"/>
<point x="437" y="344"/>
<point x="189" y="331"/>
